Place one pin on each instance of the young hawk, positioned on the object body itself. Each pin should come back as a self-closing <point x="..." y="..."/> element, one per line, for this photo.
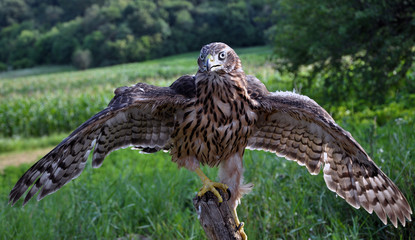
<point x="209" y="119"/>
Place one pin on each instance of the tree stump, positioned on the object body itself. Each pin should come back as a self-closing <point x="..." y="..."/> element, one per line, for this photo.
<point x="216" y="219"/>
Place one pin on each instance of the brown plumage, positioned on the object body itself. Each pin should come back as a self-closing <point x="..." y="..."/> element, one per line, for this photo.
<point x="210" y="118"/>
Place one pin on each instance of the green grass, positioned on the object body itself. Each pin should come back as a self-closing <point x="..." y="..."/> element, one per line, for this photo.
<point x="19" y="144"/>
<point x="36" y="71"/>
<point x="145" y="195"/>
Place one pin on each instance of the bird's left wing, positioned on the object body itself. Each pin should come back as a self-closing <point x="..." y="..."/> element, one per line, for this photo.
<point x="142" y="116"/>
<point x="296" y="127"/>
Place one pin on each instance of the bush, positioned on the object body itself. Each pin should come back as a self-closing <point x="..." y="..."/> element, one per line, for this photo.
<point x="82" y="59"/>
<point x="3" y="67"/>
<point x="23" y="63"/>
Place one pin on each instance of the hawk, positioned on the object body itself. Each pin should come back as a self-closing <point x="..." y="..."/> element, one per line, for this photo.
<point x="210" y="119"/>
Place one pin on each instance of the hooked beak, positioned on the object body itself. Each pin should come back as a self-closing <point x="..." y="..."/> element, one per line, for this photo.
<point x="210" y="63"/>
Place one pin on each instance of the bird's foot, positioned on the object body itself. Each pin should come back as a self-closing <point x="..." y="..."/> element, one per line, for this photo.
<point x="240" y="228"/>
<point x="210" y="186"/>
<point x="240" y="225"/>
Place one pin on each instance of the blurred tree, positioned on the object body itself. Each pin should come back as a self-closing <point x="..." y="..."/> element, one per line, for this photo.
<point x="360" y="48"/>
<point x="3" y="66"/>
<point x="142" y="18"/>
<point x="66" y="41"/>
<point x="53" y="14"/>
<point x="82" y="59"/>
<point x="43" y="46"/>
<point x="13" y="11"/>
<point x="75" y="8"/>
<point x="93" y="18"/>
<point x="239" y="25"/>
<point x="23" y="49"/>
<point x="117" y="31"/>
<point x="95" y="43"/>
<point x="112" y="10"/>
<point x="6" y="34"/>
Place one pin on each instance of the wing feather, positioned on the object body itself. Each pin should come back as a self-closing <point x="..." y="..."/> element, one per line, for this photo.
<point x="142" y="116"/>
<point x="296" y="127"/>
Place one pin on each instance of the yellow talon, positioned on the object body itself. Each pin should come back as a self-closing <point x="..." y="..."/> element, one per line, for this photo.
<point x="208" y="185"/>
<point x="211" y="186"/>
<point x="240" y="225"/>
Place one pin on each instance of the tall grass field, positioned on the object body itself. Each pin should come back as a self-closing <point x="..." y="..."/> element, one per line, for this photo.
<point x="145" y="196"/>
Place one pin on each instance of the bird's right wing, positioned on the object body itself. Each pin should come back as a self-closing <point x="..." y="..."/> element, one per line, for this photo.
<point x="297" y="128"/>
<point x="142" y="116"/>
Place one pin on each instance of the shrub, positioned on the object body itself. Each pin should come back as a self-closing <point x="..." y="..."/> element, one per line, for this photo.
<point x="82" y="59"/>
<point x="3" y="67"/>
<point x="23" y="63"/>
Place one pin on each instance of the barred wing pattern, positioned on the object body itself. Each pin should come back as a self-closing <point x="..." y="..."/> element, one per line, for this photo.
<point x="142" y="116"/>
<point x="296" y="127"/>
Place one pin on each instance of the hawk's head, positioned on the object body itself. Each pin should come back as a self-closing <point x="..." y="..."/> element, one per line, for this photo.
<point x="218" y="57"/>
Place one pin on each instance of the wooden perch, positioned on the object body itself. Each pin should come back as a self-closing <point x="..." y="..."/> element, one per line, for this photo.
<point x="216" y="220"/>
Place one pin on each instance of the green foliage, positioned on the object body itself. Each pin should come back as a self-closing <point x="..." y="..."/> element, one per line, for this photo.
<point x="13" y="11"/>
<point x="45" y="69"/>
<point x="352" y="49"/>
<point x="117" y="31"/>
<point x="3" y="67"/>
<point x="394" y="111"/>
<point x="81" y="59"/>
<point x="21" y="144"/>
<point x="23" y="63"/>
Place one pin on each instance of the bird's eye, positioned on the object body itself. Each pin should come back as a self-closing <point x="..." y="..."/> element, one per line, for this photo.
<point x="201" y="57"/>
<point x="222" y="55"/>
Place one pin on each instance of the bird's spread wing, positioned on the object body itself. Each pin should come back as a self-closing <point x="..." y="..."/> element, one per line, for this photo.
<point x="296" y="127"/>
<point x="142" y="116"/>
